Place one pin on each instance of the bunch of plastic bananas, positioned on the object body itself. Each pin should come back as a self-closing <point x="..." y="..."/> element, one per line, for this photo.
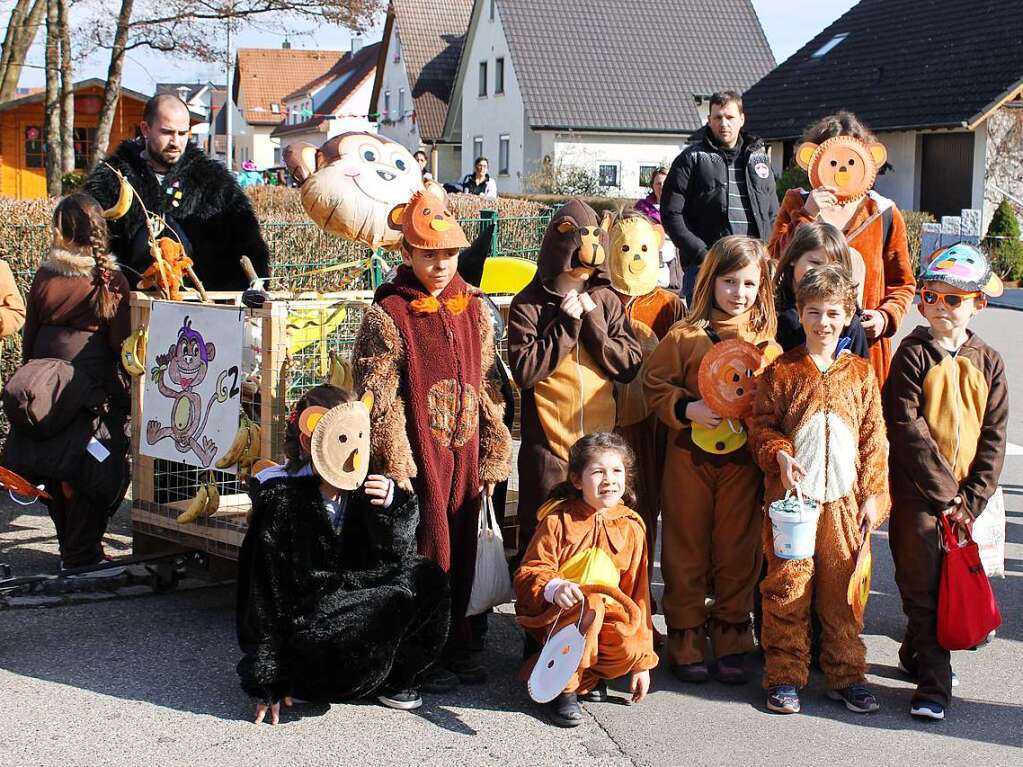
<point x="340" y="373"/>
<point x="204" y="504"/>
<point x="244" y="451"/>
<point x="125" y="198"/>
<point x="133" y="351"/>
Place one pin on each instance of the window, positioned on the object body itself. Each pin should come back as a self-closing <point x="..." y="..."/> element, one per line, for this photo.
<point x="401" y="103"/>
<point x="483" y="79"/>
<point x="492" y="4"/>
<point x="646" y="173"/>
<point x="829" y="46"/>
<point x="504" y="148"/>
<point x="275" y="109"/>
<point x="477" y="147"/>
<point x="85" y="142"/>
<point x="499" y="76"/>
<point x="607" y="173"/>
<point x="35" y="155"/>
<point x="387" y="105"/>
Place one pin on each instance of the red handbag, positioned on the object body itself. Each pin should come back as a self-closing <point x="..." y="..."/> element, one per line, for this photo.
<point x="967" y="610"/>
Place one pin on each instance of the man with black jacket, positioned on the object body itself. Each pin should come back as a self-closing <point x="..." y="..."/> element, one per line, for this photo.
<point x="196" y="196"/>
<point x="720" y="184"/>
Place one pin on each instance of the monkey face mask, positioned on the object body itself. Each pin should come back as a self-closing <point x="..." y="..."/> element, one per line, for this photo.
<point x="339" y="440"/>
<point x="844" y="163"/>
<point x="634" y="261"/>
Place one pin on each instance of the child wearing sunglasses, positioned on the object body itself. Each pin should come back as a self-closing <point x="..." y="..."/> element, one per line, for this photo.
<point x="946" y="406"/>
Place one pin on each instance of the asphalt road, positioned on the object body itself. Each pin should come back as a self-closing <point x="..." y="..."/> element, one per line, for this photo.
<point x="151" y="679"/>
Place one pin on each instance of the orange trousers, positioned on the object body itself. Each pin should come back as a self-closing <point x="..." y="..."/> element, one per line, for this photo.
<point x="788" y="592"/>
<point x="607" y="653"/>
<point x="710" y="520"/>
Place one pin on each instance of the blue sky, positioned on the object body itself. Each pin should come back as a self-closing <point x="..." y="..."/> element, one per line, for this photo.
<point x="788" y="24"/>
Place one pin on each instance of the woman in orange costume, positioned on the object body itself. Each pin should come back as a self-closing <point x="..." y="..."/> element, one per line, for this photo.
<point x="872" y="225"/>
<point x="587" y="537"/>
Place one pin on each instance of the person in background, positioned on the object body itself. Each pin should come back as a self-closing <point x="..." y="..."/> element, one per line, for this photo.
<point x="720" y="184"/>
<point x="650" y="206"/>
<point x="12" y="305"/>
<point x="479" y="181"/>
<point x="424" y="164"/>
<point x="249" y="175"/>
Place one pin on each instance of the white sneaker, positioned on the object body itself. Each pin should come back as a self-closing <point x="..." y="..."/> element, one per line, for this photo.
<point x="403" y="700"/>
<point x="927" y="710"/>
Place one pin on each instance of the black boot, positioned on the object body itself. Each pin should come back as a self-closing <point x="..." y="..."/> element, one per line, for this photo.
<point x="566" y="711"/>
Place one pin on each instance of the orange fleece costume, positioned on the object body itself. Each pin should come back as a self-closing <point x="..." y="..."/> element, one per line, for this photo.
<point x="889" y="284"/>
<point x="710" y="506"/>
<point x="831" y="423"/>
<point x="608" y="548"/>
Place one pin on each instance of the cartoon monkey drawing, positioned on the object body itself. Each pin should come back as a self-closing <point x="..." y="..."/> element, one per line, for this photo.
<point x="186" y="364"/>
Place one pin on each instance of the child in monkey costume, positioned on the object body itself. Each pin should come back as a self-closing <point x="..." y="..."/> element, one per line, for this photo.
<point x="424" y="350"/>
<point x="817" y="423"/>
<point x="634" y="266"/>
<point x="568" y="342"/>
<point x="590" y="548"/>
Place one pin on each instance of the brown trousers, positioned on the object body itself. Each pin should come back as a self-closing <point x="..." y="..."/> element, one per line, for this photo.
<point x="788" y="592"/>
<point x="607" y="653"/>
<point x="915" y="541"/>
<point x="648" y="440"/>
<point x="711" y="523"/>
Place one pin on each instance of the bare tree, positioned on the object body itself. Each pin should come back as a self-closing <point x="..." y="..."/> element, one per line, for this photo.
<point x="67" y="90"/>
<point x="194" y="28"/>
<point x="26" y="18"/>
<point x="54" y="184"/>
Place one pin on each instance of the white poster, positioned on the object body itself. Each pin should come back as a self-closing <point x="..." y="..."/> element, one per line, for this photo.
<point x="192" y="394"/>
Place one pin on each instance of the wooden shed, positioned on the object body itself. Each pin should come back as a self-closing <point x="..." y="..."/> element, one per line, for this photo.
<point x="22" y="152"/>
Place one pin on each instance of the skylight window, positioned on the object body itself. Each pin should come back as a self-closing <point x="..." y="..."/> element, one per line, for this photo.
<point x="830" y="45"/>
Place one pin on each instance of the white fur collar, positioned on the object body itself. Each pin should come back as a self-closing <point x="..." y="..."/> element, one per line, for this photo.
<point x="72" y="261"/>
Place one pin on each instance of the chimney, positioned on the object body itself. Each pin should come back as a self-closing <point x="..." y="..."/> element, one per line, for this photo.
<point x="286" y="45"/>
<point x="357" y="43"/>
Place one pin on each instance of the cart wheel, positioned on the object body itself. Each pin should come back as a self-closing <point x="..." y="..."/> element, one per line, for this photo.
<point x="164" y="576"/>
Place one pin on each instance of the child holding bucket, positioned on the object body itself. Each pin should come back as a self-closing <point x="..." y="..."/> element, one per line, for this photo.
<point x="711" y="528"/>
<point x="947" y="406"/>
<point x="817" y="424"/>
<point x="590" y="547"/>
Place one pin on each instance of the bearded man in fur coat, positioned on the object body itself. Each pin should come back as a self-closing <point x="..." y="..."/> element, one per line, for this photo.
<point x="197" y="197"/>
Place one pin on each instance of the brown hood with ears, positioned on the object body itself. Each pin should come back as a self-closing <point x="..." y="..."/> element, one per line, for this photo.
<point x="575" y="237"/>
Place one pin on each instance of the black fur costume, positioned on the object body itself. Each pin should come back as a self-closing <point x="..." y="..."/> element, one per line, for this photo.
<point x="213" y="216"/>
<point x="330" y="616"/>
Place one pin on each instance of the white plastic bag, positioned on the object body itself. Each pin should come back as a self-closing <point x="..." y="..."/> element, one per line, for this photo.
<point x="989" y="535"/>
<point x="491" y="585"/>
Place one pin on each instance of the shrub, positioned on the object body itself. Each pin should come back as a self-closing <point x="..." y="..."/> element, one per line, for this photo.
<point x="794" y="177"/>
<point x="915" y="220"/>
<point x="565" y="178"/>
<point x="1002" y="243"/>
<point x="72" y="182"/>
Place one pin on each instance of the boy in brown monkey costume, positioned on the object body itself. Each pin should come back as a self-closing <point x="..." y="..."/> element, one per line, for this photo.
<point x="568" y="342"/>
<point x="424" y="349"/>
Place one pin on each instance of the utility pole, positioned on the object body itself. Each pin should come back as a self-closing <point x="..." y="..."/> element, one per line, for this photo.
<point x="228" y="101"/>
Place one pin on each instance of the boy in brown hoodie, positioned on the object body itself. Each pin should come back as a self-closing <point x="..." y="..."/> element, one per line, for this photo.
<point x="947" y="406"/>
<point x="568" y="342"/>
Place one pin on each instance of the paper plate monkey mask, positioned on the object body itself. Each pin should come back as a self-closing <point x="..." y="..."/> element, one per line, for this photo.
<point x="728" y="374"/>
<point x="339" y="441"/>
<point x="845" y="163"/>
<point x="634" y="261"/>
<point x="351" y="183"/>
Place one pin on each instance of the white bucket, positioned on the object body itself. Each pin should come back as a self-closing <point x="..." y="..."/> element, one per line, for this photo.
<point x="794" y="526"/>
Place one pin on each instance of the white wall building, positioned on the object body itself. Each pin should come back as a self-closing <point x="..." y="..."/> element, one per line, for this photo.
<point x="550" y="81"/>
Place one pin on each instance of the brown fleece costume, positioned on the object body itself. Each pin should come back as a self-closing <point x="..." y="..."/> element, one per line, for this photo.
<point x="651" y="317"/>
<point x="926" y="389"/>
<point x="563" y="538"/>
<point x="831" y="423"/>
<point x="710" y="506"/>
<point x="564" y="367"/>
<point x="434" y="421"/>
<point x="889" y="284"/>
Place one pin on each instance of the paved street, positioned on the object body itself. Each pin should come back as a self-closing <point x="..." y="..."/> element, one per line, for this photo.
<point x="150" y="680"/>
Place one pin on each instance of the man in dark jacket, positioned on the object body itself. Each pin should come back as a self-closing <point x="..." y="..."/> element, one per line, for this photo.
<point x="197" y="196"/>
<point x="719" y="185"/>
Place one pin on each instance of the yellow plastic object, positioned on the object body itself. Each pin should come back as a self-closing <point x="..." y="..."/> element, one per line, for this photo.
<point x="506" y="274"/>
<point x="727" y="437"/>
<point x="308" y="326"/>
<point x="591" y="566"/>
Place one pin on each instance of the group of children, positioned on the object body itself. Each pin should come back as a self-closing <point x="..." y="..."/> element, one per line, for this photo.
<point x="608" y="369"/>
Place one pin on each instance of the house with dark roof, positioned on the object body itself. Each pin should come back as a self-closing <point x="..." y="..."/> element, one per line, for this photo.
<point x="204" y="99"/>
<point x="938" y="81"/>
<point x="415" y="72"/>
<point x="615" y="87"/>
<point x="335" y="102"/>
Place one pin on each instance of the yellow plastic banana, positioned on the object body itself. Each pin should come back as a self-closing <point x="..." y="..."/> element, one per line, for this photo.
<point x="341" y="373"/>
<point x="213" y="494"/>
<point x="125" y="198"/>
<point x="239" y="446"/>
<point x="196" y="508"/>
<point x="133" y="352"/>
